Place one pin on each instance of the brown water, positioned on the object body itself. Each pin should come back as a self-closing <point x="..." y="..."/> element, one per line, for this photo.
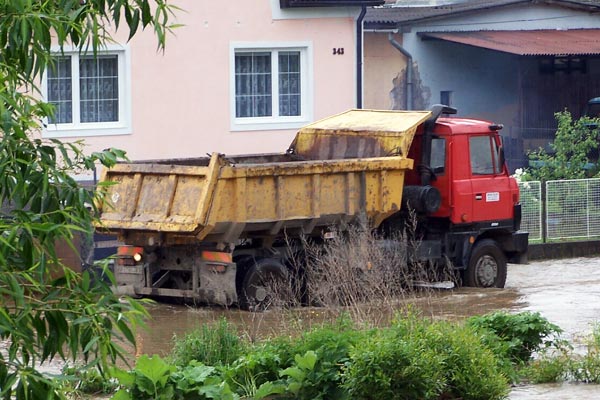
<point x="567" y="292"/>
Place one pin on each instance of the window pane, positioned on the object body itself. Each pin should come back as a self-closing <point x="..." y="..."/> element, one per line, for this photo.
<point x="438" y="155"/>
<point x="60" y="93"/>
<point x="289" y="83"/>
<point x="99" y="88"/>
<point x="243" y="63"/>
<point x="499" y="165"/>
<point x="253" y="85"/>
<point x="481" y="155"/>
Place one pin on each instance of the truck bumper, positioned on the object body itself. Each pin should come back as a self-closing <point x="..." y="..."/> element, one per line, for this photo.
<point x="516" y="247"/>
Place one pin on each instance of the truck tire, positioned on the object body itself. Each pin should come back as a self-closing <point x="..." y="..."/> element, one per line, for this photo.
<point x="487" y="266"/>
<point x="265" y="284"/>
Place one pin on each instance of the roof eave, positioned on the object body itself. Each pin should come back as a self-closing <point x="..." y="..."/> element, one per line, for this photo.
<point x="328" y="3"/>
<point x="416" y="21"/>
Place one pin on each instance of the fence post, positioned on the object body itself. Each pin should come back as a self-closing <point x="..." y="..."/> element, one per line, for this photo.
<point x="544" y="196"/>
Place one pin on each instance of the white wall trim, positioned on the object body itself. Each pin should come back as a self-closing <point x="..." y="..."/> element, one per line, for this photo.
<point x="274" y="123"/>
<point x="122" y="127"/>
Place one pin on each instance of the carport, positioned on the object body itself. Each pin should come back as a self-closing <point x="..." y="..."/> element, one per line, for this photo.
<point x="557" y="70"/>
<point x="516" y="62"/>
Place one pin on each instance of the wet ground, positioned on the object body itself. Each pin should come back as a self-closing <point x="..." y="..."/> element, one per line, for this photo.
<point x="567" y="292"/>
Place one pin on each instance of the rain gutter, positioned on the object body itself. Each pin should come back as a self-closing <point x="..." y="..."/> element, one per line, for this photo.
<point x="359" y="56"/>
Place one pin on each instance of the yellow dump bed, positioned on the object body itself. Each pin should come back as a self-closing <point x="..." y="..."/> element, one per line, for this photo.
<point x="336" y="168"/>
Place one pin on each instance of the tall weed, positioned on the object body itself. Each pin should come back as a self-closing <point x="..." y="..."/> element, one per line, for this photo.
<point x="586" y="368"/>
<point x="212" y="344"/>
<point x="364" y="272"/>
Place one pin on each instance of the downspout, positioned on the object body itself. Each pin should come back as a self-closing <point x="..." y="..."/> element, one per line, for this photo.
<point x="409" y="71"/>
<point x="359" y="55"/>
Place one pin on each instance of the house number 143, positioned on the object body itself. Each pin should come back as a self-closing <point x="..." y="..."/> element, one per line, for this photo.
<point x="338" y="51"/>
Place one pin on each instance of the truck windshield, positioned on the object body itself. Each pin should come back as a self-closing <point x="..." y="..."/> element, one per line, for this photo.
<point x="481" y="150"/>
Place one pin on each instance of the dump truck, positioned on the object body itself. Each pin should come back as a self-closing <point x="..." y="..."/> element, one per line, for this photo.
<point x="216" y="229"/>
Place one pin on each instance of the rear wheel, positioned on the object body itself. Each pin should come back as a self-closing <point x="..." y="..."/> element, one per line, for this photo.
<point x="265" y="284"/>
<point x="487" y="266"/>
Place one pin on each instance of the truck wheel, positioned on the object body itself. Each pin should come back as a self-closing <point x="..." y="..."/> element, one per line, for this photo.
<point x="265" y="284"/>
<point x="487" y="266"/>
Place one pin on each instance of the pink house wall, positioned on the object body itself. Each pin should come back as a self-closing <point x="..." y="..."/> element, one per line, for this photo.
<point x="180" y="100"/>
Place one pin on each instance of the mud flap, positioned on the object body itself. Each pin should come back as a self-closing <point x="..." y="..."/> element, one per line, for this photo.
<point x="217" y="283"/>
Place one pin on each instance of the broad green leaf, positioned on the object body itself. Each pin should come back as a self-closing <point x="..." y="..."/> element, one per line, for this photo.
<point x="268" y="389"/>
<point x="294" y="373"/>
<point x="154" y="368"/>
<point x="125" y="378"/>
<point x="122" y="394"/>
<point x="307" y="361"/>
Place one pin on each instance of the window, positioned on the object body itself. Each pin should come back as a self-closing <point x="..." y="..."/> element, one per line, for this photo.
<point x="270" y="87"/>
<point x="88" y="94"/>
<point x="484" y="155"/>
<point x="552" y="65"/>
<point x="438" y="156"/>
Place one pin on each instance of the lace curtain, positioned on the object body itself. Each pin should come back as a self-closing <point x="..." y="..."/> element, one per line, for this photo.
<point x="253" y="84"/>
<point x="98" y="89"/>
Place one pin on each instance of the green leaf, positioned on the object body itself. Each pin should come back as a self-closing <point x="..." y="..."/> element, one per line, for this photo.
<point x="125" y="330"/>
<point x="146" y="13"/>
<point x="125" y="378"/>
<point x="268" y="389"/>
<point x="294" y="373"/>
<point x="154" y="368"/>
<point x="122" y="394"/>
<point x="307" y="361"/>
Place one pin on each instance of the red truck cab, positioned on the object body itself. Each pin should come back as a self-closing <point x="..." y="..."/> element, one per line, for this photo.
<point x="467" y="203"/>
<point x="470" y="173"/>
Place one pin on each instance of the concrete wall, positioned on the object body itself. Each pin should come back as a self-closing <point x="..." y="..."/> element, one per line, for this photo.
<point x="384" y="71"/>
<point x="483" y="83"/>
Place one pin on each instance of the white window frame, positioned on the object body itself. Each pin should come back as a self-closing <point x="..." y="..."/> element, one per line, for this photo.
<point x="306" y="89"/>
<point x="78" y="129"/>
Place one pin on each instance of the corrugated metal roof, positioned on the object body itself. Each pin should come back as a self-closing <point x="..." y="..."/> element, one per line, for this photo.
<point x="528" y="43"/>
<point x="393" y="15"/>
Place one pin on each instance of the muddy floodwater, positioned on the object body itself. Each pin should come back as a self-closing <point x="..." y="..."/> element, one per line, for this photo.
<point x="567" y="292"/>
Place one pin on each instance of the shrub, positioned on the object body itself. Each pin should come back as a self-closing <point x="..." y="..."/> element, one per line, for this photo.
<point x="86" y="381"/>
<point x="331" y="345"/>
<point x="471" y="369"/>
<point x="212" y="344"/>
<point x="259" y="366"/>
<point x="573" y="152"/>
<point x="288" y="358"/>
<point x="155" y="379"/>
<point x="519" y="334"/>
<point x="390" y="367"/>
<point x="418" y="359"/>
<point x="548" y="369"/>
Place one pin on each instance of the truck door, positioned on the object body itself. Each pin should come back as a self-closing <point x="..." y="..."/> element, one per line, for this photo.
<point x="491" y="196"/>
